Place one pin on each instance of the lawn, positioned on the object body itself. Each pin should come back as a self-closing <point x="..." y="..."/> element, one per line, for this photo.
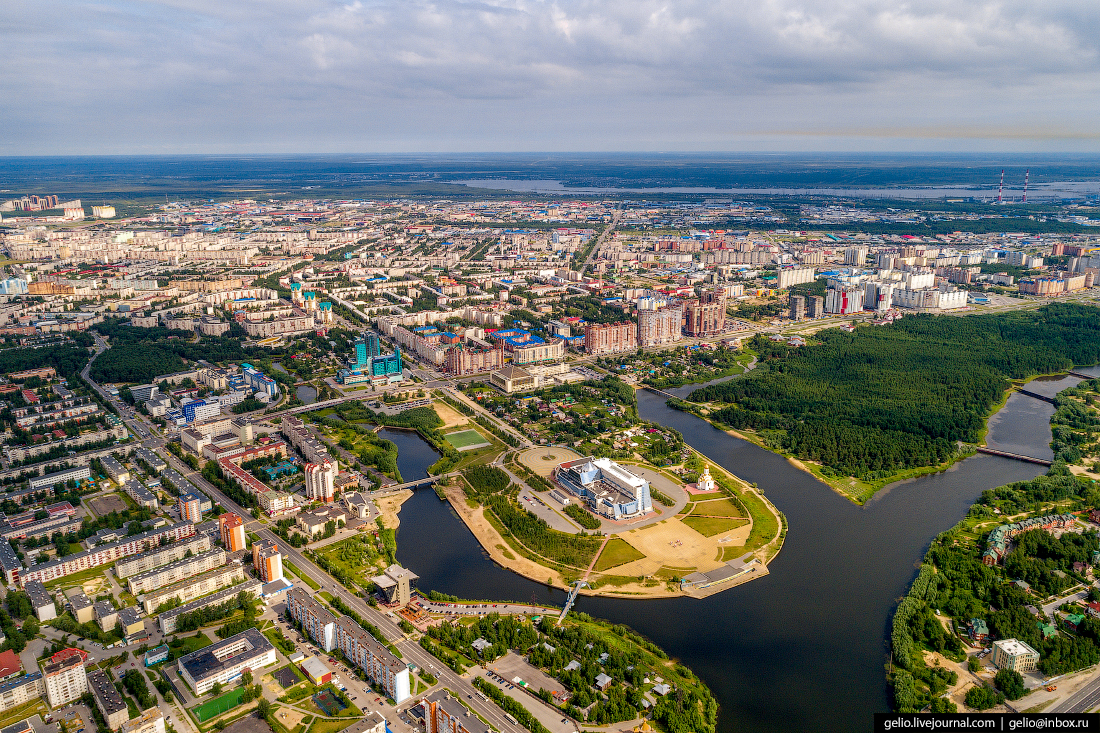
<point x="617" y="552"/>
<point x="717" y="508"/>
<point x="186" y="644"/>
<point x="75" y="579"/>
<point x="23" y="712"/>
<point x="710" y="526"/>
<point x="329" y="726"/>
<point x="219" y="705"/>
<point x="466" y="439"/>
<point x="304" y="578"/>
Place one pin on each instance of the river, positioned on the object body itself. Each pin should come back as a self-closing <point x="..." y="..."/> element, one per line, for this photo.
<point x="804" y="647"/>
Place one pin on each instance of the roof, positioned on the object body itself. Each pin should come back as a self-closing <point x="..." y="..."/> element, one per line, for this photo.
<point x="105" y="693"/>
<point x="40" y="597"/>
<point x="1015" y="647"/>
<point x="9" y="663"/>
<point x="207" y="662"/>
<point x="315" y="668"/>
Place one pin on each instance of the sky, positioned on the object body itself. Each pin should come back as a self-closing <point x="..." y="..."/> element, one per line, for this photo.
<point x="314" y="76"/>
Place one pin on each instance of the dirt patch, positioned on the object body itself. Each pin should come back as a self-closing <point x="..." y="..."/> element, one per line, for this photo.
<point x="102" y="505"/>
<point x="449" y="415"/>
<point x="674" y="544"/>
<point x="290" y="718"/>
<point x="538" y="461"/>
<point x="389" y="506"/>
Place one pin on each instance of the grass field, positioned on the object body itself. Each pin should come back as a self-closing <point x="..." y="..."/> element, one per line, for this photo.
<point x="329" y="726"/>
<point x="187" y="644"/>
<point x="617" y="552"/>
<point x="217" y="706"/>
<point x="466" y="439"/>
<point x="710" y="526"/>
<point x="304" y="578"/>
<point x="75" y="579"/>
<point x="717" y="508"/>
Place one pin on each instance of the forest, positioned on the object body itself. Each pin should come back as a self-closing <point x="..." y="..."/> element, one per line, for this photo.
<point x="884" y="399"/>
<point x="953" y="580"/>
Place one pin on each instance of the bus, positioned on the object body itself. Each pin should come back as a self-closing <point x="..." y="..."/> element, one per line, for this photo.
<point x="511" y="719"/>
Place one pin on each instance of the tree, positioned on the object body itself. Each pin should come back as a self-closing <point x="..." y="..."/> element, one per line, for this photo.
<point x="263" y="707"/>
<point x="983" y="698"/>
<point x="944" y="705"/>
<point x="246" y="678"/>
<point x="216" y="689"/>
<point x="1011" y="683"/>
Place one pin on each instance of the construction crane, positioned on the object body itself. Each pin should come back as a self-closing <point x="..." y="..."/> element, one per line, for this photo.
<point x="1001" y="188"/>
<point x="1026" y="176"/>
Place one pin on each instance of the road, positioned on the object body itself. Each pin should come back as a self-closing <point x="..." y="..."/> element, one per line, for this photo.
<point x="600" y="240"/>
<point x="411" y="650"/>
<point x="1085" y="699"/>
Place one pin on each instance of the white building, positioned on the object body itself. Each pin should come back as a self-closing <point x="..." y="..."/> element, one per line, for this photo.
<point x="65" y="680"/>
<point x="1015" y="655"/>
<point x="320" y="481"/>
<point x="226" y="660"/>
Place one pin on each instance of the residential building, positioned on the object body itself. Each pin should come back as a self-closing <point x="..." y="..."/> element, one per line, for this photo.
<point x="9" y="563"/>
<point x="855" y="256"/>
<point x="174" y="572"/>
<point x="372" y="722"/>
<point x="461" y="360"/>
<point x="231" y="528"/>
<point x="659" y="325"/>
<point x="193" y="587"/>
<point x="371" y="655"/>
<point x="610" y="338"/>
<point x="445" y="714"/>
<point x="82" y="606"/>
<point x="320" y="481"/>
<point x="115" y="470"/>
<point x="798" y="307"/>
<point x="1015" y="655"/>
<point x="844" y="300"/>
<point x="705" y="315"/>
<point x="65" y="680"/>
<point x="10" y="665"/>
<point x="201" y="410"/>
<point x="816" y="308"/>
<point x="190" y="508"/>
<point x="170" y="619"/>
<point x="267" y="560"/>
<point x="788" y="276"/>
<point x="513" y="378"/>
<point x="77" y="473"/>
<point x="396" y="583"/>
<point x="315" y="620"/>
<point x="107" y="699"/>
<point x="150" y="721"/>
<point x="162" y="555"/>
<point x="21" y="690"/>
<point x="105" y="615"/>
<point x="41" y="600"/>
<point x="226" y="660"/>
<point x="151" y="458"/>
<point x="130" y="620"/>
<point x="116" y="551"/>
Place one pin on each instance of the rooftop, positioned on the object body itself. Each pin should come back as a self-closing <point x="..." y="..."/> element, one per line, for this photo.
<point x="211" y="660"/>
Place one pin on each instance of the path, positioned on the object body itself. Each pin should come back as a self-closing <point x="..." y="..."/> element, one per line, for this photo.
<point x="606" y="539"/>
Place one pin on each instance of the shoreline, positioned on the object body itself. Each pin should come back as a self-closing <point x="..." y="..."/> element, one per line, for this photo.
<point x="905" y="475"/>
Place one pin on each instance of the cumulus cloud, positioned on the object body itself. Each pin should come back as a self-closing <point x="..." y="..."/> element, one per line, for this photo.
<point x="538" y="74"/>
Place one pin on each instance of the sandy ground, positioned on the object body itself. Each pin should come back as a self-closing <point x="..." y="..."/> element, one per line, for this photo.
<point x="673" y="544"/>
<point x="290" y="718"/>
<point x="389" y="506"/>
<point x="535" y="459"/>
<point x="450" y="416"/>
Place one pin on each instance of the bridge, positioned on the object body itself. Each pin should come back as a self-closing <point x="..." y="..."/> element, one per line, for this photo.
<point x="577" y="585"/>
<point x="1082" y="376"/>
<point x="1016" y="456"/>
<point x="419" y="483"/>
<point x="1036" y="395"/>
<point x="662" y="393"/>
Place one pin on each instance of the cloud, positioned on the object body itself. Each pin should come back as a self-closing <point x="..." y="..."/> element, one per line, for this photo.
<point x="582" y="74"/>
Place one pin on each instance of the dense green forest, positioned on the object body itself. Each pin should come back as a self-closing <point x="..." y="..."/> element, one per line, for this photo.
<point x="883" y="399"/>
<point x="68" y="360"/>
<point x="953" y="580"/>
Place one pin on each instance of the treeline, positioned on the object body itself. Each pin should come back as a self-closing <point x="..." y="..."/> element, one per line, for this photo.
<point x="68" y="360"/>
<point x="954" y="580"/>
<point x="880" y="400"/>
<point x="503" y="632"/>
<point x="210" y="614"/>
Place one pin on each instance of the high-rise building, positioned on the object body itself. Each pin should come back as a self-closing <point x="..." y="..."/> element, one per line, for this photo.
<point x="190" y="507"/>
<point x="232" y="531"/>
<point x="610" y="338"/>
<point x="65" y="680"/>
<point x="844" y="300"/>
<point x="705" y="315"/>
<point x="660" y="325"/>
<point x="816" y="307"/>
<point x="798" y="307"/>
<point x="855" y="256"/>
<point x="267" y="560"/>
<point x="320" y="481"/>
<point x="365" y="348"/>
<point x="788" y="276"/>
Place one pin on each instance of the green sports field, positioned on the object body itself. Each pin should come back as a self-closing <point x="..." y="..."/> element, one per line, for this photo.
<point x="465" y="439"/>
<point x="217" y="706"/>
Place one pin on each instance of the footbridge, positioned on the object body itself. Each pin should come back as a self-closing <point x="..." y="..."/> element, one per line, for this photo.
<point x="418" y="484"/>
<point x="662" y="393"/>
<point x="1016" y="456"/>
<point x="577" y="585"/>
<point x="1083" y="376"/>
<point x="1036" y="395"/>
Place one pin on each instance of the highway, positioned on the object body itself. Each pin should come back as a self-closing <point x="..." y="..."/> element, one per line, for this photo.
<point x="1085" y="699"/>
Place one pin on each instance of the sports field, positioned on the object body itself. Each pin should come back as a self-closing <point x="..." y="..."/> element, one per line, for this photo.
<point x="467" y="439"/>
<point x="217" y="706"/>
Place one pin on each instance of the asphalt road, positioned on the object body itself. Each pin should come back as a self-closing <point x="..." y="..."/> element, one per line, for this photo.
<point x="1085" y="699"/>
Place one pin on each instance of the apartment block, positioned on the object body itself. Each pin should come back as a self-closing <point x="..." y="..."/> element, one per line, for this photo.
<point x="194" y="587"/>
<point x="231" y="528"/>
<point x="107" y="699"/>
<point x="175" y="572"/>
<point x="21" y="690"/>
<point x="162" y="555"/>
<point x="444" y="714"/>
<point x="267" y="560"/>
<point x="150" y="721"/>
<point x="41" y="600"/>
<point x="65" y="680"/>
<point x="320" y="481"/>
<point x="657" y="326"/>
<point x="103" y="554"/>
<point x="610" y="338"/>
<point x="798" y="307"/>
<point x="314" y="618"/>
<point x="170" y="619"/>
<point x="788" y="276"/>
<point x="705" y="315"/>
